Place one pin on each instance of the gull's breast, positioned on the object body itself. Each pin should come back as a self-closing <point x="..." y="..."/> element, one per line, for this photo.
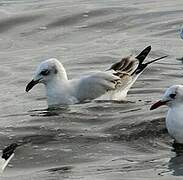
<point x="174" y="123"/>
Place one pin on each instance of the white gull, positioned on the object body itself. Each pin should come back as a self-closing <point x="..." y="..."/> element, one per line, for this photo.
<point x="181" y="32"/>
<point x="7" y="155"/>
<point x="112" y="84"/>
<point x="173" y="98"/>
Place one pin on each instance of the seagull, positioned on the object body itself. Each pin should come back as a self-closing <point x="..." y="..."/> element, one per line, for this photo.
<point x="112" y="84"/>
<point x="7" y="155"/>
<point x="181" y="35"/>
<point x="173" y="98"/>
<point x="181" y="32"/>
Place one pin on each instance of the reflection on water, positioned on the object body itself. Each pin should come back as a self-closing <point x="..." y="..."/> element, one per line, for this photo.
<point x="176" y="162"/>
<point x="49" y="111"/>
<point x="176" y="165"/>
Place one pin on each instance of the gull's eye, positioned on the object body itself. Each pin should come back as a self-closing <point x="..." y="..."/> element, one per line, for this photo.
<point x="45" y="72"/>
<point x="172" y="96"/>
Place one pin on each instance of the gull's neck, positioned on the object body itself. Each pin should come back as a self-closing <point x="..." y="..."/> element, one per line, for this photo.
<point x="57" y="88"/>
<point x="59" y="81"/>
<point x="61" y="73"/>
<point x="177" y="105"/>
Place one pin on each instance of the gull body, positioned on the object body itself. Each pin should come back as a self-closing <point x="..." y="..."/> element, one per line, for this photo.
<point x="181" y="32"/>
<point x="7" y="155"/>
<point x="112" y="84"/>
<point x="173" y="98"/>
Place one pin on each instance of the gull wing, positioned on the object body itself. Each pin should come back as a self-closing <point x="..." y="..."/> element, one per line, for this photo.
<point x="113" y="83"/>
<point x="94" y="85"/>
<point x="7" y="155"/>
<point x="131" y="64"/>
<point x="4" y="163"/>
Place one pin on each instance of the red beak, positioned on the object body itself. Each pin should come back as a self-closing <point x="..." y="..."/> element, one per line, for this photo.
<point x="158" y="104"/>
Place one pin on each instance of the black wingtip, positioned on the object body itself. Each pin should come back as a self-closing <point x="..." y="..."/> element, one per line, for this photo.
<point x="141" y="67"/>
<point x="143" y="54"/>
<point x="9" y="150"/>
<point x="157" y="59"/>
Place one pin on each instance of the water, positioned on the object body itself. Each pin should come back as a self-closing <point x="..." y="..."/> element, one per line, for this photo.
<point x="95" y="140"/>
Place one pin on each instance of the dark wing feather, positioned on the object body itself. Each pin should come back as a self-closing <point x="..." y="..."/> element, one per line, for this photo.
<point x="8" y="151"/>
<point x="129" y="64"/>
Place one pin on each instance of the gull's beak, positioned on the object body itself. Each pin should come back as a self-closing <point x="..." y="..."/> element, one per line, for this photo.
<point x="158" y="104"/>
<point x="31" y="85"/>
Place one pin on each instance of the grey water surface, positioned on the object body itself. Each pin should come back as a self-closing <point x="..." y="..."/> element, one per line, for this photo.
<point x="95" y="140"/>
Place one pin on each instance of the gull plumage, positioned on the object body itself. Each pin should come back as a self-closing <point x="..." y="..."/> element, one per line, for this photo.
<point x="7" y="155"/>
<point x="112" y="84"/>
<point x="181" y="32"/>
<point x="173" y="98"/>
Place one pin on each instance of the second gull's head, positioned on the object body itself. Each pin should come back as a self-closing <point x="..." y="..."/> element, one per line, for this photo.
<point x="173" y="96"/>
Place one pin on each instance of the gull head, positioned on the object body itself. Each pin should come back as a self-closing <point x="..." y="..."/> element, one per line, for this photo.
<point x="181" y="32"/>
<point x="46" y="72"/>
<point x="172" y="96"/>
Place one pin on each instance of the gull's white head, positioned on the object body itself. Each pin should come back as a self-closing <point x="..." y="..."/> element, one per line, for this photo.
<point x="181" y="32"/>
<point x="172" y="96"/>
<point x="47" y="71"/>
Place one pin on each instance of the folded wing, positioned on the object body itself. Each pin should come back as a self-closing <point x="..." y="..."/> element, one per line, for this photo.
<point x="7" y="155"/>
<point x="114" y="83"/>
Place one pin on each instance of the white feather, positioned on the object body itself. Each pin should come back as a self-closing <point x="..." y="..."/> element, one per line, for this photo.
<point x="181" y="32"/>
<point x="173" y="98"/>
<point x="4" y="163"/>
<point x="106" y="85"/>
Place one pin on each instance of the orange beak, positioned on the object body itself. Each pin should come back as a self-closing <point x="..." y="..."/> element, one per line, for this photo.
<point x="158" y="104"/>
